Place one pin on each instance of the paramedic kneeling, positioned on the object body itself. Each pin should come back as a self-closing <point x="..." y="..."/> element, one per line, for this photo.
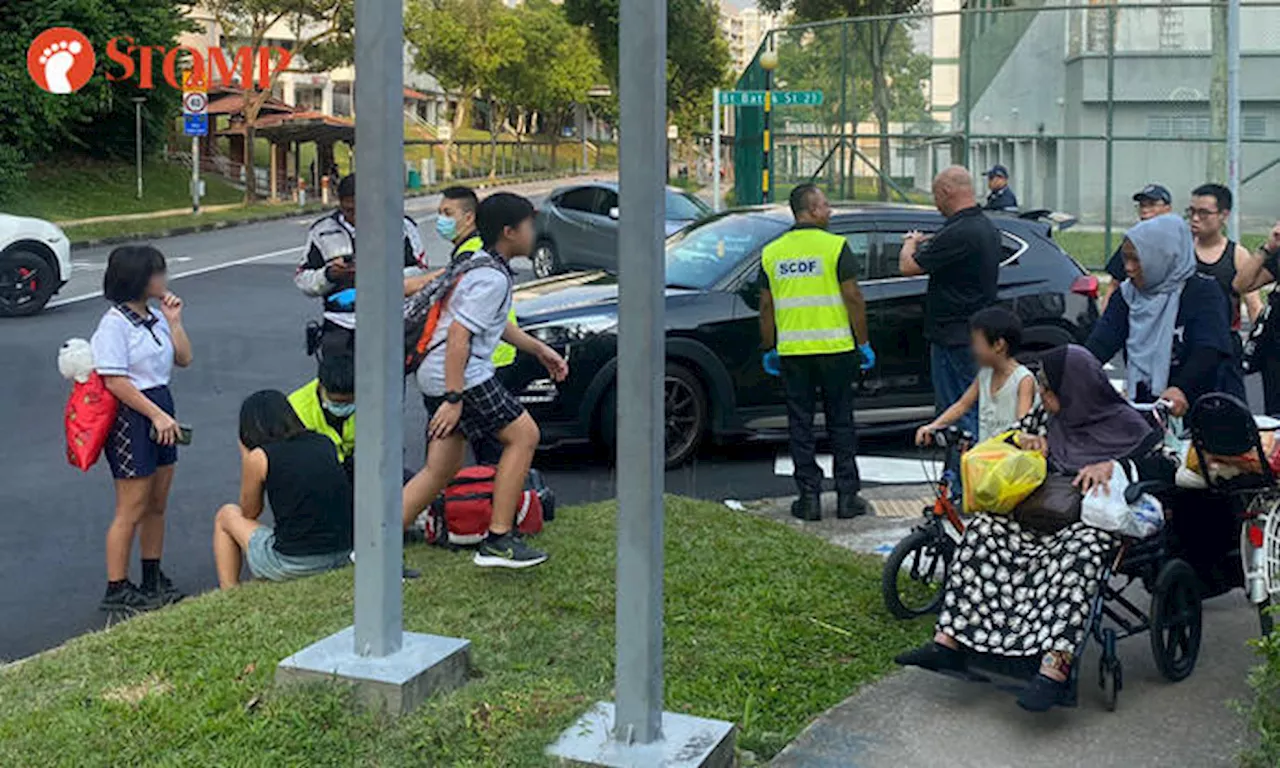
<point x="327" y="406"/>
<point x="812" y="309"/>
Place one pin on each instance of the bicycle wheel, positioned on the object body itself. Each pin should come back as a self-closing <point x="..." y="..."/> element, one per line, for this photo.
<point x="915" y="574"/>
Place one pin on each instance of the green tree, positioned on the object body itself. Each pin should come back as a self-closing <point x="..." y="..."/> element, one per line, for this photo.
<point x="323" y="38"/>
<point x="97" y="120"/>
<point x="893" y="70"/>
<point x="558" y="68"/>
<point x="697" y="54"/>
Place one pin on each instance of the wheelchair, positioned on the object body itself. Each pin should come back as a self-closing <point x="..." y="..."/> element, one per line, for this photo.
<point x="1176" y="574"/>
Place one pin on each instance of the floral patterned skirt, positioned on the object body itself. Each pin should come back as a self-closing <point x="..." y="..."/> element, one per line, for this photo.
<point x="1012" y="592"/>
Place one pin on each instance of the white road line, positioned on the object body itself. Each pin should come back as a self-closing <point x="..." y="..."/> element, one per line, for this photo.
<point x="188" y="273"/>
<point x="873" y="469"/>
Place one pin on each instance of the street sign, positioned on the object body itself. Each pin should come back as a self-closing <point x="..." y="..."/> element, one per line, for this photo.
<point x="780" y="98"/>
<point x="195" y="102"/>
<point x="195" y="125"/>
<point x="444" y="132"/>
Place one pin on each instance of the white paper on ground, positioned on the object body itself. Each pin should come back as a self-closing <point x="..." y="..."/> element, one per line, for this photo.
<point x="884" y="470"/>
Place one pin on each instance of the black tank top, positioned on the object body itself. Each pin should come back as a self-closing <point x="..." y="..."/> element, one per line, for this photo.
<point x="310" y="496"/>
<point x="1224" y="272"/>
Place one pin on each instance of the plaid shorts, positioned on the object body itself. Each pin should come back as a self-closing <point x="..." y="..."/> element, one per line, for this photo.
<point x="487" y="409"/>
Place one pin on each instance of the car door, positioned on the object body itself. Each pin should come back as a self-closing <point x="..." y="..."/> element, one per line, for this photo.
<point x="901" y="378"/>
<point x="572" y="226"/>
<point x="602" y="235"/>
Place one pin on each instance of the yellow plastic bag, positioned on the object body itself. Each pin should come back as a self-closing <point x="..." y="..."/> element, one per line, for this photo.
<point x="998" y="475"/>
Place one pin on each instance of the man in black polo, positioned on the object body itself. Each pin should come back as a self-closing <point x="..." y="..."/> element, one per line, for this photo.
<point x="963" y="262"/>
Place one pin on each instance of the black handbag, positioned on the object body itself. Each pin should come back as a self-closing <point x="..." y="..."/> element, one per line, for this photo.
<point x="1051" y="507"/>
<point x="1261" y="341"/>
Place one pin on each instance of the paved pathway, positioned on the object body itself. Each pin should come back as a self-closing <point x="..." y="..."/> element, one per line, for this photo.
<point x="915" y="719"/>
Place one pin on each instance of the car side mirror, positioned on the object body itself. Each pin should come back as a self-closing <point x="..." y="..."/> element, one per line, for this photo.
<point x="613" y="213"/>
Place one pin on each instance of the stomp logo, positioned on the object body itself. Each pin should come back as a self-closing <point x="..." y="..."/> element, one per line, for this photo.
<point x="61" y="60"/>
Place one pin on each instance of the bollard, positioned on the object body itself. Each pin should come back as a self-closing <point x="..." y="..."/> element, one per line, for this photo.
<point x="302" y="192"/>
<point x="324" y="190"/>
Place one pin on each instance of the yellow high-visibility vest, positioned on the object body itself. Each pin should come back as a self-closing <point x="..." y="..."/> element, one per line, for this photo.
<point x="306" y="403"/>
<point x="808" y="310"/>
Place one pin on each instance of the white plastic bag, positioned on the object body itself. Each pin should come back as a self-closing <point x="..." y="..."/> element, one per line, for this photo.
<point x="1109" y="512"/>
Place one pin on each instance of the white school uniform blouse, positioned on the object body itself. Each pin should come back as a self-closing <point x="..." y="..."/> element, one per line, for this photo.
<point x="138" y="347"/>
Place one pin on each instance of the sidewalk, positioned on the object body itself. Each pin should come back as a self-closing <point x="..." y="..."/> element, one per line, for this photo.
<point x="915" y="719"/>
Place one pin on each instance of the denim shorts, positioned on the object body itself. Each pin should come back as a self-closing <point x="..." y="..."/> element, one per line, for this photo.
<point x="266" y="563"/>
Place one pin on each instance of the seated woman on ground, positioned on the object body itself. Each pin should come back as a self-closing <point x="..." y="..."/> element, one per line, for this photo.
<point x="299" y="474"/>
<point x="1017" y="593"/>
<point x="1172" y="322"/>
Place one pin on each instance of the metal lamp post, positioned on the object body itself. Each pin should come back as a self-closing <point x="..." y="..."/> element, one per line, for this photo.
<point x="768" y="62"/>
<point x="138" y="101"/>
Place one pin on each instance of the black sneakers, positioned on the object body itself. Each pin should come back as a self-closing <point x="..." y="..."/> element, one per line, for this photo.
<point x="934" y="657"/>
<point x="163" y="592"/>
<point x="127" y="600"/>
<point x="507" y="551"/>
<point x="1044" y="693"/>
<point x="808" y="507"/>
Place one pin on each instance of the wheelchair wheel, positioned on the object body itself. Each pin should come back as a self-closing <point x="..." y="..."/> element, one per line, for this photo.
<point x="1110" y="673"/>
<point x="915" y="574"/>
<point x="1175" y="620"/>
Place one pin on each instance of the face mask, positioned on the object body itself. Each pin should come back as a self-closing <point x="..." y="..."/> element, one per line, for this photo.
<point x="446" y="227"/>
<point x="339" y="410"/>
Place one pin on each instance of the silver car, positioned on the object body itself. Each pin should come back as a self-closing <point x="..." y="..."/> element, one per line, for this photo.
<point x="578" y="226"/>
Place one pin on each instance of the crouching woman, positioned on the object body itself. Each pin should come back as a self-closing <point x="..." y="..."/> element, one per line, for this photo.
<point x="298" y="473"/>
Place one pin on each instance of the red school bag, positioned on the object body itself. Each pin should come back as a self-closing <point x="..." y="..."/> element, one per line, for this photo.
<point x="89" y="416"/>
<point x="462" y="513"/>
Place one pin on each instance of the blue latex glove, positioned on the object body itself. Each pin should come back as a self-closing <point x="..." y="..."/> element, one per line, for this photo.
<point x="345" y="299"/>
<point x="868" y="356"/>
<point x="772" y="363"/>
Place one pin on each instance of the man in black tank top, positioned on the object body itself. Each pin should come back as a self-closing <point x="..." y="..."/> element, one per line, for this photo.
<point x="1218" y="256"/>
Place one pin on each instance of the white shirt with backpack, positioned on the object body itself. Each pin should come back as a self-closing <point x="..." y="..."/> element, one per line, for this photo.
<point x="480" y="303"/>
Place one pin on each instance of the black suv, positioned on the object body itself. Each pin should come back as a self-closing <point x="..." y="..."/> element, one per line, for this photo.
<point x="715" y="387"/>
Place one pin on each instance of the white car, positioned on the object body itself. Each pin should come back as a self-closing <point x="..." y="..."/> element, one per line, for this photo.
<point x="35" y="261"/>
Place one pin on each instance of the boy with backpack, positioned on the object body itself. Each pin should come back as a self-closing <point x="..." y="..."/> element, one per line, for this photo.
<point x="456" y="377"/>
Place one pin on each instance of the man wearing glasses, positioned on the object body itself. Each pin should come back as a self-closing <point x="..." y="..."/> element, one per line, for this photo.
<point x="1217" y="255"/>
<point x="1152" y="200"/>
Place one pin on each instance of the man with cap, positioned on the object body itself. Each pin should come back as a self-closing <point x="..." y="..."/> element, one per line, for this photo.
<point x="328" y="269"/>
<point x="999" y="196"/>
<point x="1152" y="200"/>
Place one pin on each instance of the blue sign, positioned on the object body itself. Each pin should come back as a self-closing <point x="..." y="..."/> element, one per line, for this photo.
<point x="195" y="125"/>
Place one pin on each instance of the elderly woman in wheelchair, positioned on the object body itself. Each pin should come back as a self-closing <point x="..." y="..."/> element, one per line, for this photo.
<point x="1022" y="593"/>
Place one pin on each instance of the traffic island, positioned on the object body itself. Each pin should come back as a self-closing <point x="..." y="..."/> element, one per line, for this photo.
<point x="396" y="684"/>
<point x="687" y="742"/>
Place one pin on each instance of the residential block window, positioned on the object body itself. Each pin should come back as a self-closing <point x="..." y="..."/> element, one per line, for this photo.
<point x="1172" y="36"/>
<point x="1177" y="127"/>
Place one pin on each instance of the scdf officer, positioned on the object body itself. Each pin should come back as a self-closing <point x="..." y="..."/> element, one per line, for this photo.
<point x="813" y="321"/>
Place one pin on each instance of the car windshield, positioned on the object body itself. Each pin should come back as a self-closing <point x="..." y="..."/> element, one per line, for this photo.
<point x="685" y="207"/>
<point x="704" y="254"/>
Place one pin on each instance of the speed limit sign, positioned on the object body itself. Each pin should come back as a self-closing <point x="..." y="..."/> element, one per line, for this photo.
<point x="194" y="102"/>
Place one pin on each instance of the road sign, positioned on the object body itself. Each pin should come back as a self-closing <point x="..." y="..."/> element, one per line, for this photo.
<point x="780" y="98"/>
<point x="195" y="102"/>
<point x="195" y="125"/>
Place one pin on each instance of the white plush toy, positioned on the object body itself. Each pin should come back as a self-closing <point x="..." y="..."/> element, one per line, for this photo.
<point x="75" y="360"/>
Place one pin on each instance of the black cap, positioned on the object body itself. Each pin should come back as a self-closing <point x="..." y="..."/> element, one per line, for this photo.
<point x="347" y="186"/>
<point x="1153" y="192"/>
<point x="998" y="170"/>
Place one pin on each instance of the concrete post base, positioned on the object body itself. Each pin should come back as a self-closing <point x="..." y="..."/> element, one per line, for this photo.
<point x="424" y="666"/>
<point x="687" y="742"/>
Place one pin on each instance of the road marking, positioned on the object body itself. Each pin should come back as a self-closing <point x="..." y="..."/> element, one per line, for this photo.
<point x="188" y="273"/>
<point x="884" y="470"/>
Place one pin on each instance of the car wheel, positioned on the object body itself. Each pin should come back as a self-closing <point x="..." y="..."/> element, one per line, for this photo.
<point x="26" y="283"/>
<point x="546" y="262"/>
<point x="686" y="415"/>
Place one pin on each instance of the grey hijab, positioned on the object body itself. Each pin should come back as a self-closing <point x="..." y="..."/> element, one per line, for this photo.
<point x="1168" y="258"/>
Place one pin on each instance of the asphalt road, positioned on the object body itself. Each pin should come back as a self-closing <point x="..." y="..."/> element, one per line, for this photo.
<point x="246" y="321"/>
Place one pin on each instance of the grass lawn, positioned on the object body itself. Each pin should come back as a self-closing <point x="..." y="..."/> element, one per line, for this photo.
<point x="1089" y="248"/>
<point x="765" y="626"/>
<point x="145" y="227"/>
<point x="79" y="188"/>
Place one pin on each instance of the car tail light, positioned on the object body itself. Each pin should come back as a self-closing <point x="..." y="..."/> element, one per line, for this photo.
<point x="1086" y="285"/>
<point x="1255" y="536"/>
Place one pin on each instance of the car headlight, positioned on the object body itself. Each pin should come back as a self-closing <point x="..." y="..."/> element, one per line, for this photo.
<point x="562" y="333"/>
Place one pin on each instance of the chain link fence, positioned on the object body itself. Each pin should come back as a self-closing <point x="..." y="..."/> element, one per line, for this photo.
<point x="1084" y="103"/>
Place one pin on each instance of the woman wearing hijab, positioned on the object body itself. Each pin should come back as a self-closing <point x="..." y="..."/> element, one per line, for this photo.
<point x="1017" y="593"/>
<point x="1172" y="322"/>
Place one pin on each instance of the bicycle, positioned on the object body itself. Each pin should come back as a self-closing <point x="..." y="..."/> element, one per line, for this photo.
<point x="915" y="573"/>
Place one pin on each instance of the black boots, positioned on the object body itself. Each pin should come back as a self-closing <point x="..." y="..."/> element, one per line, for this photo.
<point x="808" y="507"/>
